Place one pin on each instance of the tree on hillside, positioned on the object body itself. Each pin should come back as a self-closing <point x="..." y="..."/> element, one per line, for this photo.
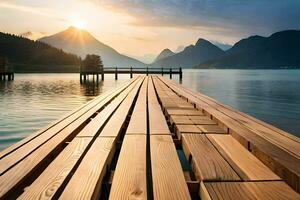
<point x="92" y="63"/>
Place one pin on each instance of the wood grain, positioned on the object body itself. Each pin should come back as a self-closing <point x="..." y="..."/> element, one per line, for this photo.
<point x="62" y="122"/>
<point x="87" y="180"/>
<point x="67" y="127"/>
<point x="116" y="122"/>
<point x="244" y="163"/>
<point x="157" y="120"/>
<point x="211" y="129"/>
<point x="206" y="161"/>
<point x="138" y="122"/>
<point x="47" y="184"/>
<point x="270" y="190"/>
<point x="278" y="159"/>
<point x="18" y="173"/>
<point x="167" y="174"/>
<point x="129" y="180"/>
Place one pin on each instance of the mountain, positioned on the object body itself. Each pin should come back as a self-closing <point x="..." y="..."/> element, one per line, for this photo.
<point x="25" y="53"/>
<point x="202" y="51"/>
<point x="165" y="53"/>
<point x="280" y="50"/>
<point x="222" y="46"/>
<point x="81" y="42"/>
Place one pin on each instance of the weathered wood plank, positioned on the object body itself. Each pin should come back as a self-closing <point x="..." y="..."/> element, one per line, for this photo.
<point x="87" y="180"/>
<point x="46" y="185"/>
<point x="138" y="122"/>
<point x="206" y="161"/>
<point x="129" y="180"/>
<point x="180" y="120"/>
<point x="167" y="174"/>
<point x="211" y="129"/>
<point x="157" y="120"/>
<point x="243" y="162"/>
<point x="193" y="112"/>
<point x="116" y="122"/>
<point x="270" y="190"/>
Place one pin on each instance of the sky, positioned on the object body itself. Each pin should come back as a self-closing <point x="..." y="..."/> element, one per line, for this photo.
<point x="143" y="28"/>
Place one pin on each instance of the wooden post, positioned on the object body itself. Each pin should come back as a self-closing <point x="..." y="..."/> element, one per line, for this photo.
<point x="80" y="78"/>
<point x="130" y="72"/>
<point x="13" y="76"/>
<point x="84" y="78"/>
<point x="116" y="73"/>
<point x="147" y="71"/>
<point x="180" y="73"/>
<point x="170" y="73"/>
<point x="162" y="71"/>
<point x="97" y="77"/>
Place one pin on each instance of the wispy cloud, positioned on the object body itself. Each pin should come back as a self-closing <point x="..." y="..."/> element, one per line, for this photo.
<point x="248" y="16"/>
<point x="29" y="9"/>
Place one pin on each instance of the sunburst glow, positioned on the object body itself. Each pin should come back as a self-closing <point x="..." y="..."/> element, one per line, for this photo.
<point x="80" y="24"/>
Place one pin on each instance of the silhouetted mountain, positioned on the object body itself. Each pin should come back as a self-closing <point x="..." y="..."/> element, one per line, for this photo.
<point x="202" y="51"/>
<point x="22" y="51"/>
<point x="280" y="50"/>
<point x="81" y="42"/>
<point x="164" y="54"/>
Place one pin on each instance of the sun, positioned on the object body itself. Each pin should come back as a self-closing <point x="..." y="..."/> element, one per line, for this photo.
<point x="80" y="24"/>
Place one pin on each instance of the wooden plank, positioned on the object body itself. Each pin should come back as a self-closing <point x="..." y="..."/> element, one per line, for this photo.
<point x="93" y="127"/>
<point x="47" y="184"/>
<point x="62" y="122"/>
<point x="211" y="129"/>
<point x="207" y="163"/>
<point x="116" y="122"/>
<point x="87" y="180"/>
<point x="167" y="175"/>
<point x="56" y="173"/>
<point x="280" y="161"/>
<point x="180" y="120"/>
<point x="157" y="120"/>
<point x="138" y="122"/>
<point x="129" y="180"/>
<point x="184" y="112"/>
<point x="243" y="162"/>
<point x="10" y="160"/>
<point x="270" y="190"/>
<point x="16" y="175"/>
<point x="275" y="135"/>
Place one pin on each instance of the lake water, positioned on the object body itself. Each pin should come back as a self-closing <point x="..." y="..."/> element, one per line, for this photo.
<point x="32" y="101"/>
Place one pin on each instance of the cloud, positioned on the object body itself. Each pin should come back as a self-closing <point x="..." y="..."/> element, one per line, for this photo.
<point x="32" y="35"/>
<point x="30" y="9"/>
<point x="262" y="16"/>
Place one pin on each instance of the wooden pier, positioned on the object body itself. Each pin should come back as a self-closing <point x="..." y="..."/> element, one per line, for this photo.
<point x="94" y="75"/>
<point x="6" y="76"/>
<point x="6" y="72"/>
<point x="125" y="144"/>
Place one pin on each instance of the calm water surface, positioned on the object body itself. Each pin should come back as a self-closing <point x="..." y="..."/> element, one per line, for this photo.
<point x="32" y="101"/>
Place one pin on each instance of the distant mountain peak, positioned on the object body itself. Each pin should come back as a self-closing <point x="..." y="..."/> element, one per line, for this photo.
<point x="81" y="42"/>
<point x="202" y="51"/>
<point x="164" y="54"/>
<point x="202" y="41"/>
